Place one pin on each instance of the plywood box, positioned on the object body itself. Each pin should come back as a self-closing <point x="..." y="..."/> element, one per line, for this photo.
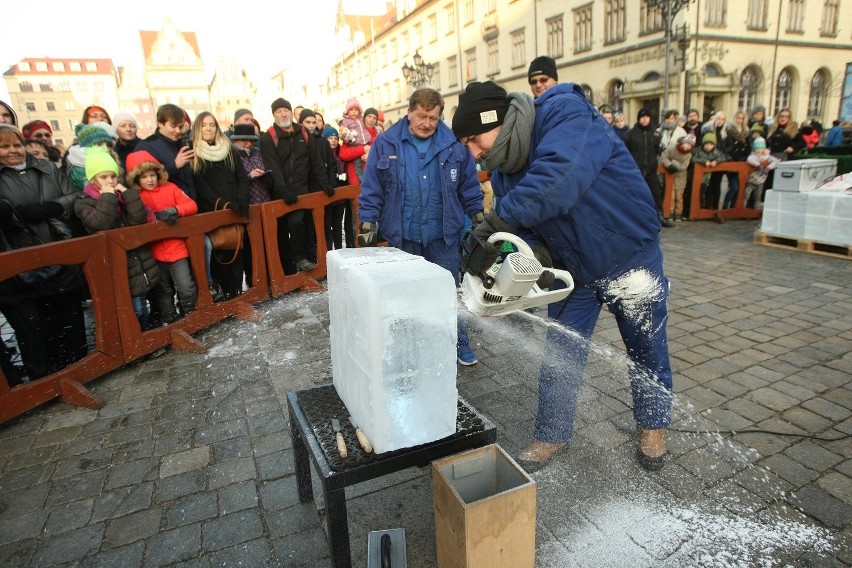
<point x="484" y="511"/>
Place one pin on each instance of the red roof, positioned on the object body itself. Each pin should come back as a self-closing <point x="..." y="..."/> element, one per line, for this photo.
<point x="103" y="66"/>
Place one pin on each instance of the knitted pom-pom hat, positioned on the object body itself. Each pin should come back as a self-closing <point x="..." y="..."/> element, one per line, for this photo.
<point x="89" y="134"/>
<point x="353" y="103"/>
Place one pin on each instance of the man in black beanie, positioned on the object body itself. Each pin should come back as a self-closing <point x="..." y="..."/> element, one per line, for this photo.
<point x="542" y="74"/>
<point x="568" y="186"/>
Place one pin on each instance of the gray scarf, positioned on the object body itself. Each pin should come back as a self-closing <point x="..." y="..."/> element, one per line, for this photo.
<point x="511" y="148"/>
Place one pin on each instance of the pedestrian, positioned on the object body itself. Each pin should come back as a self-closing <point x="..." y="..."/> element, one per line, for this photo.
<point x="93" y="114"/>
<point x="643" y="141"/>
<point x="542" y="75"/>
<point x="676" y="160"/>
<point x="597" y="221"/>
<point x="835" y="134"/>
<point x="764" y="163"/>
<point x="354" y="134"/>
<point x="126" y="129"/>
<point x="418" y="188"/>
<point x="169" y="147"/>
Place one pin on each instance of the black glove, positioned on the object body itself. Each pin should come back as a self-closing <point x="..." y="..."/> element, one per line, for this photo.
<point x="290" y="198"/>
<point x="672" y="169"/>
<point x="542" y="254"/>
<point x="368" y="235"/>
<point x="241" y="208"/>
<point x="169" y="215"/>
<point x="329" y="191"/>
<point x="477" y="219"/>
<point x="493" y="224"/>
<point x="34" y="212"/>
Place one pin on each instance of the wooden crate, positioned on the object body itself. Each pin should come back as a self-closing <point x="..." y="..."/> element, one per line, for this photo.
<point x="484" y="511"/>
<point x="803" y="245"/>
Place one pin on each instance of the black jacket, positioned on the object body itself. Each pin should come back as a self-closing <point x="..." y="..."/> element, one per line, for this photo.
<point x="218" y="180"/>
<point x="166" y="150"/>
<point x="295" y="161"/>
<point x="643" y="143"/>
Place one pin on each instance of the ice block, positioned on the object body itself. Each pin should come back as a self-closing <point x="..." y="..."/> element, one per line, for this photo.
<point x="393" y="344"/>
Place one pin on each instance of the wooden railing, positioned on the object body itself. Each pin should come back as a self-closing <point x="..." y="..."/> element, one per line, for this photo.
<point x="738" y="211"/>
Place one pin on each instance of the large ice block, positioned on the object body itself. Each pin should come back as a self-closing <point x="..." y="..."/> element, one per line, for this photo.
<point x="393" y="344"/>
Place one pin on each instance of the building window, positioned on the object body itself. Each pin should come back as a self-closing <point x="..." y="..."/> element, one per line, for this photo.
<point x="30" y="106"/>
<point x="432" y="23"/>
<point x="490" y="6"/>
<point x="819" y="89"/>
<point x="25" y="86"/>
<point x="63" y="87"/>
<point x="470" y="64"/>
<point x="555" y="37"/>
<point x="650" y="18"/>
<point x="393" y="52"/>
<point x="714" y="13"/>
<point x="75" y="66"/>
<point x="51" y="106"/>
<point x="24" y="66"/>
<point x="829" y="18"/>
<point x="59" y="66"/>
<point x="54" y="125"/>
<point x="796" y="16"/>
<point x="417" y="37"/>
<point x="450" y="11"/>
<point x="614" y="96"/>
<point x="91" y="66"/>
<point x="452" y="71"/>
<point x="436" y="77"/>
<point x="583" y="29"/>
<point x="615" y="21"/>
<point x="403" y="44"/>
<point x="45" y="87"/>
<point x="519" y="49"/>
<point x="749" y="85"/>
<point x="756" y="15"/>
<point x="468" y="12"/>
<point x="41" y="66"/>
<point x="783" y="90"/>
<point x="493" y="58"/>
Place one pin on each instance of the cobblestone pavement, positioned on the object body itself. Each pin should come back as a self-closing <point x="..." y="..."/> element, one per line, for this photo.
<point x="190" y="462"/>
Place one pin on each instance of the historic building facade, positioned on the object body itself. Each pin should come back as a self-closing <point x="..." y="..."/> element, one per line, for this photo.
<point x="722" y="55"/>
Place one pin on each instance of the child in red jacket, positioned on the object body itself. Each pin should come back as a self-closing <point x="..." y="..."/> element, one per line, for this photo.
<point x="168" y="202"/>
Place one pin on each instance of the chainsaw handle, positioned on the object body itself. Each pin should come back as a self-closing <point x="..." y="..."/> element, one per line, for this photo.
<point x="522" y="245"/>
<point x="564" y="276"/>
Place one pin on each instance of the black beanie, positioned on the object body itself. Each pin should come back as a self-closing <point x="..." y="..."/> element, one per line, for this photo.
<point x="281" y="103"/>
<point x="643" y="112"/>
<point x="482" y="107"/>
<point x="543" y="65"/>
<point x="372" y="111"/>
<point x="306" y="112"/>
<point x="241" y="112"/>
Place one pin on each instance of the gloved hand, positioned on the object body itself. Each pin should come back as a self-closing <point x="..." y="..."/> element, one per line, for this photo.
<point x="493" y="224"/>
<point x="368" y="236"/>
<point x="34" y="212"/>
<point x="290" y="198"/>
<point x="169" y="215"/>
<point x="329" y="191"/>
<point x="241" y="208"/>
<point x="477" y="219"/>
<point x="671" y="169"/>
<point x="542" y="254"/>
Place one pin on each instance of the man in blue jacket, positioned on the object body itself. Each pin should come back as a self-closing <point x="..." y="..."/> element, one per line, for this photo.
<point x="418" y="185"/>
<point x="568" y="185"/>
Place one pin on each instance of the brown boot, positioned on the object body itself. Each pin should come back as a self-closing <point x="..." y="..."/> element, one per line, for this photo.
<point x="652" y="449"/>
<point x="536" y="455"/>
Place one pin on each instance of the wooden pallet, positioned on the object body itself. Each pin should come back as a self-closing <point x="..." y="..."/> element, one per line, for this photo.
<point x="803" y="245"/>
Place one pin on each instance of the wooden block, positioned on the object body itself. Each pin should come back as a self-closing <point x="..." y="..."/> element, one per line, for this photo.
<point x="484" y="511"/>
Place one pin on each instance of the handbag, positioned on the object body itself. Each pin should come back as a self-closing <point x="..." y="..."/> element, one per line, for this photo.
<point x="227" y="237"/>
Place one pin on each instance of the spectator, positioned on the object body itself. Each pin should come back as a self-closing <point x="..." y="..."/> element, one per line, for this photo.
<point x="606" y="112"/>
<point x="335" y="212"/>
<point x="354" y="134"/>
<point x="758" y="116"/>
<point x="169" y="148"/>
<point x="676" y="160"/>
<point x="244" y="139"/>
<point x="764" y="162"/>
<point x="692" y="126"/>
<point x="88" y="136"/>
<point x="670" y="132"/>
<point x="709" y="156"/>
<point x="41" y="130"/>
<point x="718" y="124"/>
<point x="126" y="138"/>
<point x="37" y="148"/>
<point x="93" y="114"/>
<point x="241" y="116"/>
<point x="8" y="114"/>
<point x="167" y="202"/>
<point x="783" y="140"/>
<point x="293" y="156"/>
<point x="835" y="135"/>
<point x="738" y="147"/>
<point x="107" y="204"/>
<point x="542" y="75"/>
<point x="371" y="122"/>
<point x="619" y="124"/>
<point x="219" y="179"/>
<point x="809" y="134"/>
<point x="420" y="153"/>
<point x="643" y="141"/>
<point x="46" y="313"/>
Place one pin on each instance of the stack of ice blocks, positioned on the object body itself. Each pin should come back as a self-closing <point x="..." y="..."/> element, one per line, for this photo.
<point x="393" y="344"/>
<point x="820" y="216"/>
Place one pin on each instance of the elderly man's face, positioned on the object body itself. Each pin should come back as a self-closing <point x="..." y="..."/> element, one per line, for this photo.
<point x="540" y="83"/>
<point x="245" y="119"/>
<point x="283" y="117"/>
<point x="423" y="123"/>
<point x="480" y="144"/>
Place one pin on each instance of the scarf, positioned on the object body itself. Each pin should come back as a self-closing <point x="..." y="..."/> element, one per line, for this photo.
<point x="511" y="148"/>
<point x="215" y="152"/>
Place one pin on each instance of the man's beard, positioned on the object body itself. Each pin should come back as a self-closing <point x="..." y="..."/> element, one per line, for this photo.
<point x="284" y="123"/>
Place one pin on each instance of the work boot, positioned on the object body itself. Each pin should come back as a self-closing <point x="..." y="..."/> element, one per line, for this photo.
<point x="305" y="265"/>
<point x="652" y="449"/>
<point x="216" y="292"/>
<point x="666" y="223"/>
<point x="536" y="455"/>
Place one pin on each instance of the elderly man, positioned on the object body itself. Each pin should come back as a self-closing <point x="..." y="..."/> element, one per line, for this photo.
<point x="542" y="75"/>
<point x="418" y="186"/>
<point x="568" y="185"/>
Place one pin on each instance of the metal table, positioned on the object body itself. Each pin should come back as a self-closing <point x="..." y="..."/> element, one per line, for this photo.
<point x="311" y="411"/>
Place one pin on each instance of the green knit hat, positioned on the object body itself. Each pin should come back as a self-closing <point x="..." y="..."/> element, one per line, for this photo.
<point x="709" y="137"/>
<point x="99" y="160"/>
<point x="757" y="127"/>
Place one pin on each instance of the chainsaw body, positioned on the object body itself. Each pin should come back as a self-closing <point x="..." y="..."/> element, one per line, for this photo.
<point x="510" y="285"/>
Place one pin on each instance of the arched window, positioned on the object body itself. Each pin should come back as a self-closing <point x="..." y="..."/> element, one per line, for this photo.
<point x="816" y="99"/>
<point x="652" y="76"/>
<point x="590" y="96"/>
<point x="784" y="90"/>
<point x="615" y="90"/>
<point x="749" y="85"/>
<point x="712" y="70"/>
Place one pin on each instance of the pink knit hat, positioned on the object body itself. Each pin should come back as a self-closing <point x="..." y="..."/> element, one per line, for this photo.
<point x="353" y="103"/>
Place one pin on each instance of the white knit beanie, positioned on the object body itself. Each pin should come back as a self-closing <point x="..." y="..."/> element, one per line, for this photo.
<point x="122" y="116"/>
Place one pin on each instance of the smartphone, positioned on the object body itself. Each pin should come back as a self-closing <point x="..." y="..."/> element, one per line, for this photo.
<point x="186" y="142"/>
<point x="267" y="172"/>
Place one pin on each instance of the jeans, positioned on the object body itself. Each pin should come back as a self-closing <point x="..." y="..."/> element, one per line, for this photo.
<point x="447" y="257"/>
<point x="208" y="252"/>
<point x="140" y="306"/>
<point x="179" y="274"/>
<point x="641" y="318"/>
<point x="733" y="190"/>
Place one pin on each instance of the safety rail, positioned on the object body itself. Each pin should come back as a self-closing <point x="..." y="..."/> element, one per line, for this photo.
<point x="118" y="337"/>
<point x="738" y="211"/>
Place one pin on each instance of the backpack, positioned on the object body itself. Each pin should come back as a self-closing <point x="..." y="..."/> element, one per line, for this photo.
<point x="274" y="135"/>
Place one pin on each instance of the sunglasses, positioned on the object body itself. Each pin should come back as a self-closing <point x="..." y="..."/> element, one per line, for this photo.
<point x="540" y="80"/>
<point x="98" y="115"/>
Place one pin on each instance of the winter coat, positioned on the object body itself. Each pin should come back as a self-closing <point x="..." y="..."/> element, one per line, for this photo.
<point x="643" y="142"/>
<point x="166" y="150"/>
<point x="258" y="187"/>
<point x="701" y="156"/>
<point x="219" y="180"/>
<point x="581" y="192"/>
<point x="122" y="149"/>
<point x="162" y="197"/>
<point x="780" y="140"/>
<point x="107" y="212"/>
<point x="737" y="146"/>
<point x="295" y="160"/>
<point x="673" y="157"/>
<point x="669" y="136"/>
<point x="764" y="165"/>
<point x="349" y="154"/>
<point x="381" y="200"/>
<point x="834" y="136"/>
<point x="329" y="159"/>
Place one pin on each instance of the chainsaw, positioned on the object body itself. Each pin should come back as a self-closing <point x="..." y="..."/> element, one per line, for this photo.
<point x="509" y="285"/>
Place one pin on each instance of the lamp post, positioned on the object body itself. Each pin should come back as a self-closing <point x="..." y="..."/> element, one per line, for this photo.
<point x="420" y="73"/>
<point x="668" y="9"/>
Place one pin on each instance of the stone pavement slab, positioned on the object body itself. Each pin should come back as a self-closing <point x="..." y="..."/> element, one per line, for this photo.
<point x="190" y="462"/>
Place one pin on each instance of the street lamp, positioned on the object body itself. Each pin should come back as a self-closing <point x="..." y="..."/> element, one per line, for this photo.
<point x="668" y="9"/>
<point x="420" y="73"/>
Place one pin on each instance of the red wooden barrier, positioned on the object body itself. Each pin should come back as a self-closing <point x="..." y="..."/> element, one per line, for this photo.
<point x="738" y="211"/>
